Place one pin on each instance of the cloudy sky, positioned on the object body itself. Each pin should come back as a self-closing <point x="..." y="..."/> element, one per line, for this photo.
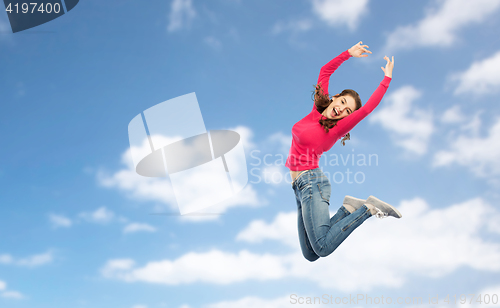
<point x="81" y="229"/>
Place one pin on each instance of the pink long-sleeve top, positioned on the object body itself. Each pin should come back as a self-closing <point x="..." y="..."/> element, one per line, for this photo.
<point x="309" y="139"/>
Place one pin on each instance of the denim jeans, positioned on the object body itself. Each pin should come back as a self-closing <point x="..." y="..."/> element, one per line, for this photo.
<point x="320" y="235"/>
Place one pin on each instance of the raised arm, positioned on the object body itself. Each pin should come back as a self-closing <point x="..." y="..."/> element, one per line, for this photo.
<point x="358" y="51"/>
<point x="346" y="124"/>
<point x="327" y="70"/>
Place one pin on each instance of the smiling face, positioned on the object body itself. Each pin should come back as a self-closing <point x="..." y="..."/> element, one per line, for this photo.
<point x="340" y="107"/>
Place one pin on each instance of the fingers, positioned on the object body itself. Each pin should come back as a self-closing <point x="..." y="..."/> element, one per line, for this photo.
<point x="364" y="49"/>
<point x="389" y="60"/>
<point x="360" y="44"/>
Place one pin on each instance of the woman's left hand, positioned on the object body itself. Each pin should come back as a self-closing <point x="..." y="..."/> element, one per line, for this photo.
<point x="359" y="50"/>
<point x="388" y="67"/>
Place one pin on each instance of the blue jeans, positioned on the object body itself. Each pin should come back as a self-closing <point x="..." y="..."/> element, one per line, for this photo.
<point x="320" y="235"/>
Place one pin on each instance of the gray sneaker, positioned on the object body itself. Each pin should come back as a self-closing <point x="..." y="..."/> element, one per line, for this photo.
<point x="384" y="209"/>
<point x="354" y="202"/>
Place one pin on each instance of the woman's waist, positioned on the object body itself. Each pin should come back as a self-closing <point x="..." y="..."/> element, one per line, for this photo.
<point x="296" y="173"/>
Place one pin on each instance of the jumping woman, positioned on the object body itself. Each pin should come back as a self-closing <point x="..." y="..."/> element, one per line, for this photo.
<point x="330" y="119"/>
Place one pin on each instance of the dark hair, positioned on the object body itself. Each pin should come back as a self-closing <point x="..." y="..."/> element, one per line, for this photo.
<point x="322" y="101"/>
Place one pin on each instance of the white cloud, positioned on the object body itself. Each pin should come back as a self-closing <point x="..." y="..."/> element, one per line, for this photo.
<point x="253" y="302"/>
<point x="31" y="261"/>
<point x="340" y="12"/>
<point x="479" y="154"/>
<point x="36" y="260"/>
<point x="12" y="294"/>
<point x="246" y="136"/>
<point x="214" y="266"/>
<point x="473" y="124"/>
<point x="410" y="126"/>
<point x="160" y="189"/>
<point x="139" y="306"/>
<point x="281" y="140"/>
<point x="116" y="265"/>
<point x="469" y="125"/>
<point x="335" y="13"/>
<point x="138" y="227"/>
<point x="481" y="77"/>
<point x="3" y="285"/>
<point x="493" y="225"/>
<point x="279" y="230"/>
<point x="453" y="115"/>
<point x="102" y="215"/>
<point x="5" y="259"/>
<point x="248" y="197"/>
<point x="60" y="221"/>
<point x="425" y="242"/>
<point x="181" y="14"/>
<point x="440" y="25"/>
<point x="138" y="187"/>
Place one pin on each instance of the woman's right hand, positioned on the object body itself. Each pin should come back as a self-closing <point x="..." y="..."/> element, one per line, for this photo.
<point x="388" y="67"/>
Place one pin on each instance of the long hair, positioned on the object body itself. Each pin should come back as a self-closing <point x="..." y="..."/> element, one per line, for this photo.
<point x="322" y="101"/>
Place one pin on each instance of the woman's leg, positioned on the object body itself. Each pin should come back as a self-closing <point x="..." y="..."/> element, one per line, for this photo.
<point x="325" y="234"/>
<point x="341" y="213"/>
<point x="305" y="245"/>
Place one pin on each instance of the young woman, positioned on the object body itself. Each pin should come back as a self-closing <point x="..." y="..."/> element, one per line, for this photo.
<point x="329" y="120"/>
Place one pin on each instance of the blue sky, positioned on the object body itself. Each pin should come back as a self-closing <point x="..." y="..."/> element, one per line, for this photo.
<point x="80" y="228"/>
